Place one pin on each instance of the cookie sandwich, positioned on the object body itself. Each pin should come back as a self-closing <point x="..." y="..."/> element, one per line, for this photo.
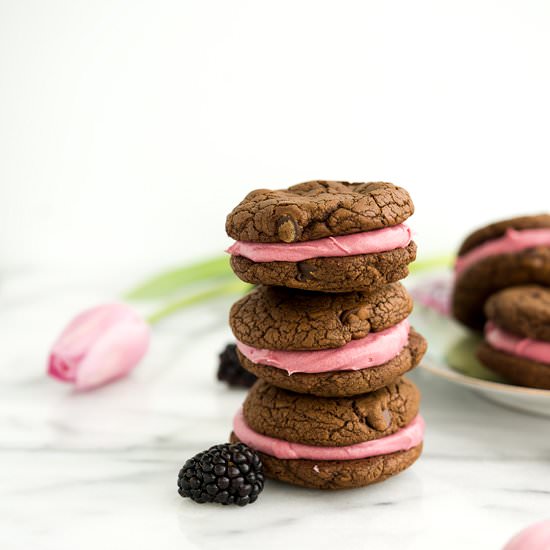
<point x="327" y="443"/>
<point x="517" y="335"/>
<point x="326" y="332"/>
<point x="329" y="345"/>
<point x="507" y="253"/>
<point x="328" y="236"/>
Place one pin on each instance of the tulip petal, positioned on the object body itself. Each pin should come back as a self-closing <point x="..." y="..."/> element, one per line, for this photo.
<point x="99" y="345"/>
<point x="60" y="368"/>
<point x="82" y="332"/>
<point x="117" y="351"/>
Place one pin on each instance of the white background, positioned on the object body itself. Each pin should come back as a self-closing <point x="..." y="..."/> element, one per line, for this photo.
<point x="128" y="130"/>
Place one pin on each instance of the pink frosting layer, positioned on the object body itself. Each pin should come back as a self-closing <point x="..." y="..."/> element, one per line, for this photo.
<point x="368" y="242"/>
<point x="512" y="241"/>
<point x="408" y="437"/>
<point x="536" y="350"/>
<point x="375" y="349"/>
<point x="534" y="537"/>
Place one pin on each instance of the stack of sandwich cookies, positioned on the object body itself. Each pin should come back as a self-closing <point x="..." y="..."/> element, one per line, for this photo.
<point x="517" y="335"/>
<point x="327" y="332"/>
<point x="329" y="345"/>
<point x="326" y="236"/>
<point x="328" y="443"/>
<point x="507" y="253"/>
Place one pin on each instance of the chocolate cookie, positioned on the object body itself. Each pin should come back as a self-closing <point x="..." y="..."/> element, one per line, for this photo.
<point x="343" y="383"/>
<point x="285" y="319"/>
<point x="518" y="370"/>
<point x="332" y="443"/>
<point x="522" y="310"/>
<point x="321" y="421"/>
<point x="517" y="335"/>
<point x="337" y="274"/>
<point x="317" y="209"/>
<point x="323" y="236"/>
<point x="507" y="253"/>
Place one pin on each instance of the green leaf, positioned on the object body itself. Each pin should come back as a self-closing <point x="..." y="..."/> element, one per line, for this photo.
<point x="168" y="283"/>
<point x="433" y="262"/>
<point x="228" y="289"/>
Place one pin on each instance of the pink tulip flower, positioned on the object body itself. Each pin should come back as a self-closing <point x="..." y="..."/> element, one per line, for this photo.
<point x="534" y="537"/>
<point x="99" y="345"/>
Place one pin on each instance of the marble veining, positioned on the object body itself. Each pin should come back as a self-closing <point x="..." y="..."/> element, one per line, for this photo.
<point x="99" y="469"/>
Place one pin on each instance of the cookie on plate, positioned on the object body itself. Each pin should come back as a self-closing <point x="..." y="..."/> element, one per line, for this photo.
<point x="507" y="253"/>
<point x="329" y="345"/>
<point x="517" y="335"/>
<point x="327" y="443"/>
<point x="329" y="236"/>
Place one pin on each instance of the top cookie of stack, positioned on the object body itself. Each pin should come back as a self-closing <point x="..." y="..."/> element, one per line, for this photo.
<point x="327" y="236"/>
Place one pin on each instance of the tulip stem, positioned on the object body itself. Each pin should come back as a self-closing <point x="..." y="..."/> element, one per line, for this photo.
<point x="172" y="281"/>
<point x="433" y="262"/>
<point x="234" y="287"/>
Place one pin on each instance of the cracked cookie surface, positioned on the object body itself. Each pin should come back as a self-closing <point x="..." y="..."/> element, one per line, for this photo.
<point x="333" y="422"/>
<point x="335" y="274"/>
<point x="343" y="383"/>
<point x="317" y="209"/>
<point x="522" y="310"/>
<point x="280" y="318"/>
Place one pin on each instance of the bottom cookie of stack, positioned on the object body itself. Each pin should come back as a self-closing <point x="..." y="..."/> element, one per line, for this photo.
<point x="328" y="443"/>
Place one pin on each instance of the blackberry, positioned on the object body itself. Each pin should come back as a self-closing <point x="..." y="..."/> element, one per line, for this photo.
<point x="231" y="473"/>
<point x="231" y="371"/>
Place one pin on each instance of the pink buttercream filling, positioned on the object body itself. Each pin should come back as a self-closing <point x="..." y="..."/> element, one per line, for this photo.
<point x="534" y="537"/>
<point x="374" y="349"/>
<point x="367" y="242"/>
<point x="536" y="350"/>
<point x="406" y="438"/>
<point x="512" y="241"/>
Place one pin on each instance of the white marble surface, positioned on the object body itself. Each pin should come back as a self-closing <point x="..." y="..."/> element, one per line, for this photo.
<point x="99" y="470"/>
